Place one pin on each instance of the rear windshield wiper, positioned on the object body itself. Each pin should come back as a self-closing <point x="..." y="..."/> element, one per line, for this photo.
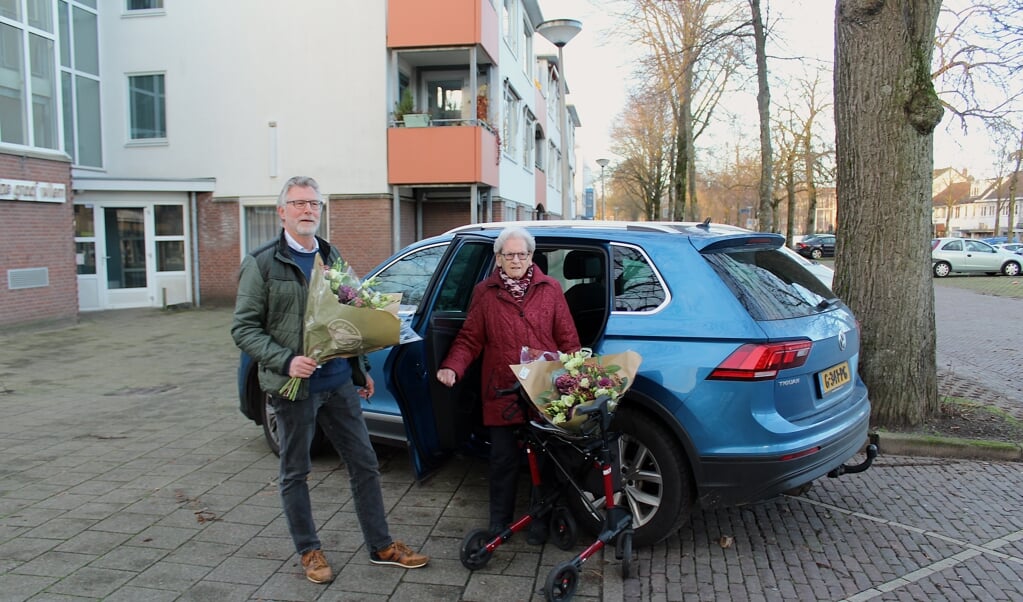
<point x="826" y="303"/>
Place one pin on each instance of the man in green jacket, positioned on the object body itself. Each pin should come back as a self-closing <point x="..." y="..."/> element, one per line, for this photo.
<point x="268" y="324"/>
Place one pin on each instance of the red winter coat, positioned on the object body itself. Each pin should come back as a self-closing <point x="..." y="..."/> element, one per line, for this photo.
<point x="499" y="327"/>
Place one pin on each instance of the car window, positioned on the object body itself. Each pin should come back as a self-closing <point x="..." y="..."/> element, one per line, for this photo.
<point x="978" y="247"/>
<point x="410" y="274"/>
<point x="638" y="286"/>
<point x="769" y="284"/>
<point x="954" y="245"/>
<point x="467" y="267"/>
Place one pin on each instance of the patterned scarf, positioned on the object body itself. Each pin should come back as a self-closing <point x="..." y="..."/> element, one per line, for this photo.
<point x="516" y="288"/>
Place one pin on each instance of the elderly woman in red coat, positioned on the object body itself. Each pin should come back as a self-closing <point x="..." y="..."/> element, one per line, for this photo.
<point x="516" y="306"/>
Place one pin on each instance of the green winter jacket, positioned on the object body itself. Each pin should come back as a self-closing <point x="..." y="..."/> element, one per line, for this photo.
<point x="269" y="311"/>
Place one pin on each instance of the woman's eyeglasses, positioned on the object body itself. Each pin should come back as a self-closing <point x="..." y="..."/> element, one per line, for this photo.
<point x="303" y="204"/>
<point x="516" y="255"/>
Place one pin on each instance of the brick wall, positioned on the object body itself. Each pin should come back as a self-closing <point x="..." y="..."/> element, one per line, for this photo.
<point x="34" y="235"/>
<point x="361" y="229"/>
<point x="219" y="249"/>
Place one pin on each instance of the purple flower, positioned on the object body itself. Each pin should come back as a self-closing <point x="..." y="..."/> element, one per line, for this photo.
<point x="346" y="294"/>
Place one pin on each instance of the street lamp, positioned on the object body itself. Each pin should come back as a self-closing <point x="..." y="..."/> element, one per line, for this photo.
<point x="603" y="199"/>
<point x="560" y="32"/>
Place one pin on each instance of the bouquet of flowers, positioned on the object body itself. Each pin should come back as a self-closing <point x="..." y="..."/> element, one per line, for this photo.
<point x="345" y="317"/>
<point x="575" y="380"/>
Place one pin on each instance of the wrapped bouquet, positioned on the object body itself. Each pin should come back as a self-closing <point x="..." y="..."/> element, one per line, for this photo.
<point x="558" y="387"/>
<point x="345" y="317"/>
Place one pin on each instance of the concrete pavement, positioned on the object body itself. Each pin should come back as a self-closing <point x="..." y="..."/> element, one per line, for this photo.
<point x="129" y="474"/>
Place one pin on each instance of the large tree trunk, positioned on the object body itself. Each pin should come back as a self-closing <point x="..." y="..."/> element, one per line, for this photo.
<point x="885" y="114"/>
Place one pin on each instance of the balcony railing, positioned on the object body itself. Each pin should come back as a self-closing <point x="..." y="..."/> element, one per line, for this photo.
<point x="466" y="152"/>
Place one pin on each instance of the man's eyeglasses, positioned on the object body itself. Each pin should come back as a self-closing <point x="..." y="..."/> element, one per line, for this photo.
<point x="303" y="204"/>
<point x="516" y="255"/>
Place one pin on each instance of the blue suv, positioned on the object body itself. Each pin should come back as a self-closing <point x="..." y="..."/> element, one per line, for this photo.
<point x="748" y="386"/>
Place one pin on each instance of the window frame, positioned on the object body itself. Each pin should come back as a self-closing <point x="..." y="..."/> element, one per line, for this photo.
<point x="130" y="113"/>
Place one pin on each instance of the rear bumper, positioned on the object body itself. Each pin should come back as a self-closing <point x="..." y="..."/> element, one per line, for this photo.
<point x="745" y="479"/>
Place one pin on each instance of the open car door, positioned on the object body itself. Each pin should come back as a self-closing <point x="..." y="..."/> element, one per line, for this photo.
<point x="439" y="420"/>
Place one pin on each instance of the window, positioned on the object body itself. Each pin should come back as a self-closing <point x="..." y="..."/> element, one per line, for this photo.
<point x="148" y="113"/>
<point x="769" y="284"/>
<point x="410" y="274"/>
<point x="511" y="24"/>
<point x="528" y="138"/>
<point x="85" y="240"/>
<point x="447" y="99"/>
<point x="261" y="224"/>
<point x="79" y="78"/>
<point x="170" y="238"/>
<point x="28" y="89"/>
<point x="637" y="285"/>
<point x="145" y="4"/>
<point x="540" y="143"/>
<point x="512" y="115"/>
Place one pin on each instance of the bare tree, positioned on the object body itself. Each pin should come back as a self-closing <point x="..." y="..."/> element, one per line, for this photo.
<point x="642" y="137"/>
<point x="767" y="208"/>
<point x="692" y="55"/>
<point x="886" y="110"/>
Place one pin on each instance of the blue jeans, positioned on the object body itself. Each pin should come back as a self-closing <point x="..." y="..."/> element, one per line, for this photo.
<point x="339" y="414"/>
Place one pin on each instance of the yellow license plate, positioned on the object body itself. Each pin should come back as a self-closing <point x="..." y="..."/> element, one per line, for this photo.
<point x="834" y="377"/>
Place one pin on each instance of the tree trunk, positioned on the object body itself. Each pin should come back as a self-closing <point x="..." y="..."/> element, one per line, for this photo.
<point x="811" y="185"/>
<point x="764" y="108"/>
<point x="1012" y="196"/>
<point x="885" y="114"/>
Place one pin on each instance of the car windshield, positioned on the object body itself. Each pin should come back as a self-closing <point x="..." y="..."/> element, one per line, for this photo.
<point x="770" y="284"/>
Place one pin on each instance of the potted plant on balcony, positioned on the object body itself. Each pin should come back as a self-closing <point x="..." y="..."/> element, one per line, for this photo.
<point x="405" y="111"/>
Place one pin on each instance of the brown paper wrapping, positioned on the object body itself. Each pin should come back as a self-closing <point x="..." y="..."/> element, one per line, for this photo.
<point x="537" y="380"/>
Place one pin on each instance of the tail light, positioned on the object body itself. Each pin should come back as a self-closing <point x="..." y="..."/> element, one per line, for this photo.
<point x="762" y="361"/>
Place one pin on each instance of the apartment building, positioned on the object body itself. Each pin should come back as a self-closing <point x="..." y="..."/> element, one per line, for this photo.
<point x="143" y="142"/>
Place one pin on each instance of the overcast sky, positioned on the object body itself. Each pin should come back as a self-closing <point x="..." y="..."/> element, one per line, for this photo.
<point x="598" y="66"/>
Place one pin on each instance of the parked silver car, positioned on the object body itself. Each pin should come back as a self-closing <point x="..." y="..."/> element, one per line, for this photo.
<point x="1012" y="247"/>
<point x="967" y="255"/>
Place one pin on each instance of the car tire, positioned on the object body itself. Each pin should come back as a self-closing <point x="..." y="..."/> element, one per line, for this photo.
<point x="816" y="254"/>
<point x="270" y="433"/>
<point x="942" y="269"/>
<point x="660" y="502"/>
<point x="320" y="443"/>
<point x="1011" y="269"/>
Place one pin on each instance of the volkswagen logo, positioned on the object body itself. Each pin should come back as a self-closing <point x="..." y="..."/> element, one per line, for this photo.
<point x="841" y="341"/>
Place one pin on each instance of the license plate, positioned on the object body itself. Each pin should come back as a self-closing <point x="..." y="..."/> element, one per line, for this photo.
<point x="834" y="377"/>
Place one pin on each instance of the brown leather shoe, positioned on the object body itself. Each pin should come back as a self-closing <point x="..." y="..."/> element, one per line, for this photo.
<point x="399" y="554"/>
<point x="316" y="568"/>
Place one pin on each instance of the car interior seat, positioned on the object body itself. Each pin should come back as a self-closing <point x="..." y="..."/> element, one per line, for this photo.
<point x="588" y="298"/>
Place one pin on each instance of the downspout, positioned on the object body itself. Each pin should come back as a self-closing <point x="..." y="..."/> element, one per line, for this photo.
<point x="195" y="248"/>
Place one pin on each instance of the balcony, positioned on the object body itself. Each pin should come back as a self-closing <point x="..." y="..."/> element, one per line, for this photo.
<point x="452" y="23"/>
<point x="446" y="155"/>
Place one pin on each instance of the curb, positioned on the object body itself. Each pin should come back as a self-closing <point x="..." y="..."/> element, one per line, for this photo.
<point x="899" y="444"/>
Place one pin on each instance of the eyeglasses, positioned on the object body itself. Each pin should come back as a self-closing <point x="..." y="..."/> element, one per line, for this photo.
<point x="516" y="255"/>
<point x="303" y="204"/>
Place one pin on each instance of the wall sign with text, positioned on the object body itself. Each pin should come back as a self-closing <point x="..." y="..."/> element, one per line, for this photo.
<point x="41" y="192"/>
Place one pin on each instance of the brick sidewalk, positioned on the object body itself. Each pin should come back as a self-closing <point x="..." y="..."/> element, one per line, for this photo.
<point x="129" y="474"/>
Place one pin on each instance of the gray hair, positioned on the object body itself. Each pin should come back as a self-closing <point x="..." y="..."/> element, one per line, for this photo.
<point x="300" y="182"/>
<point x="514" y="232"/>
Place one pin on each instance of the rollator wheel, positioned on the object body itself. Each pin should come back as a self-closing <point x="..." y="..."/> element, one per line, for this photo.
<point x="564" y="530"/>
<point x="474" y="554"/>
<point x="562" y="581"/>
<point x="623" y="550"/>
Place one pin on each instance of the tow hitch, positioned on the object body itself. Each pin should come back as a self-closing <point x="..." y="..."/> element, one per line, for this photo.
<point x="871" y="451"/>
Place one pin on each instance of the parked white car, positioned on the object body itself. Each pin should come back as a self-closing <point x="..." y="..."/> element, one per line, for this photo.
<point x="967" y="255"/>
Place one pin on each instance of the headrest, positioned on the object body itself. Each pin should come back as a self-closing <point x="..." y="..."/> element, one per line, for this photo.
<point x="583" y="264"/>
<point x="540" y="260"/>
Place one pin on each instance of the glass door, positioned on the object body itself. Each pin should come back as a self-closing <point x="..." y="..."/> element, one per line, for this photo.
<point x="125" y="247"/>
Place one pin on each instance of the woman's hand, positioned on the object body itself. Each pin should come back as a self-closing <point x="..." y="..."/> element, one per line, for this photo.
<point x="367" y="390"/>
<point x="446" y="376"/>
